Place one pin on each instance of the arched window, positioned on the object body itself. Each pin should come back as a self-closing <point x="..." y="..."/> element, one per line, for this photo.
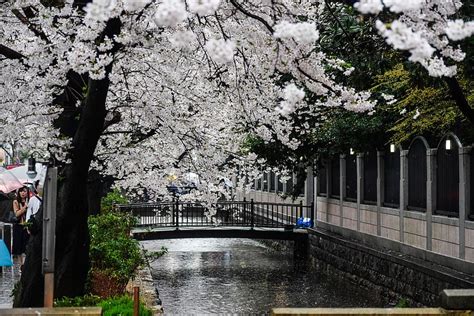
<point x="272" y="181"/>
<point x="471" y="213"/>
<point x="279" y="185"/>
<point x="265" y="181"/>
<point x="297" y="183"/>
<point x="370" y="177"/>
<point x="335" y="177"/>
<point x="289" y="183"/>
<point x="351" y="177"/>
<point x="392" y="177"/>
<point x="417" y="176"/>
<point x="259" y="183"/>
<point x="447" y="177"/>
<point x="322" y="189"/>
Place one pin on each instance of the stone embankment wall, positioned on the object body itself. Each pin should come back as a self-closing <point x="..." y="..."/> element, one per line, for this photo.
<point x="388" y="273"/>
<point x="148" y="292"/>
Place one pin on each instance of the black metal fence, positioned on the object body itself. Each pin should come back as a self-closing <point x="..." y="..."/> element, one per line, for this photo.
<point x="370" y="177"/>
<point x="226" y="213"/>
<point x="471" y="214"/>
<point x="392" y="178"/>
<point x="322" y="175"/>
<point x="417" y="176"/>
<point x="445" y="171"/>
<point x="447" y="180"/>
<point x="335" y="177"/>
<point x="351" y="177"/>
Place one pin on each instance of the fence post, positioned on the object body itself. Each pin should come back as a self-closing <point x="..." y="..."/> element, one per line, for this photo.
<point x="252" y="213"/>
<point x="177" y="213"/>
<point x="136" y="301"/>
<point x="245" y="211"/>
<point x="301" y="208"/>
<point x="313" y="215"/>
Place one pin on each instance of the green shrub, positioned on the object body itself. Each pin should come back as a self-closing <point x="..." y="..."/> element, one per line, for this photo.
<point x="113" y="197"/>
<point x="112" y="249"/>
<point x="78" y="301"/>
<point x="402" y="303"/>
<point x="121" y="305"/>
<point x="153" y="255"/>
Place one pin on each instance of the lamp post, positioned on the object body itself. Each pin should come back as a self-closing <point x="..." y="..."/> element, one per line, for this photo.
<point x="31" y="173"/>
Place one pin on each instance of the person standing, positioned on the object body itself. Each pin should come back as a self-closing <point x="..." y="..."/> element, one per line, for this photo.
<point x="33" y="204"/>
<point x="20" y="235"/>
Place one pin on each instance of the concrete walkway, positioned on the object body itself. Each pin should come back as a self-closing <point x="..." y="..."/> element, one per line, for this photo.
<point x="8" y="277"/>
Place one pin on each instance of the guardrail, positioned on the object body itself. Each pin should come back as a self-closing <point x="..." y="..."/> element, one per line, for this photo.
<point x="6" y="234"/>
<point x="226" y="213"/>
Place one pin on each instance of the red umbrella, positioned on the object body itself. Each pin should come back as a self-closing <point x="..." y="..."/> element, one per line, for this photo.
<point x="8" y="182"/>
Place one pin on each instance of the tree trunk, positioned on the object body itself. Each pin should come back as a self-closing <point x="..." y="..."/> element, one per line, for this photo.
<point x="458" y="96"/>
<point x="72" y="237"/>
<point x="97" y="186"/>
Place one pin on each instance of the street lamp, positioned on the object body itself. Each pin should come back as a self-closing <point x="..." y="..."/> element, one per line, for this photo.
<point x="31" y="173"/>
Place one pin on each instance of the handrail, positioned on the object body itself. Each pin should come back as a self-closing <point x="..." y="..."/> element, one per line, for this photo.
<point x="223" y="213"/>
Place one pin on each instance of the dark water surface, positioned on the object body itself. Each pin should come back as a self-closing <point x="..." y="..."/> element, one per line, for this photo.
<point x="218" y="276"/>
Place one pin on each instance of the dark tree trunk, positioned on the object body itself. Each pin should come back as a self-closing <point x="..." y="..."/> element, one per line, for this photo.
<point x="97" y="186"/>
<point x="458" y="96"/>
<point x="30" y="290"/>
<point x="72" y="237"/>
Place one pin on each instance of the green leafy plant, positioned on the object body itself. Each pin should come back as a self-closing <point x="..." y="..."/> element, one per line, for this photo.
<point x="119" y="305"/>
<point x="114" y="197"/>
<point x="122" y="305"/>
<point x="112" y="249"/>
<point x="153" y="255"/>
<point x="402" y="303"/>
<point x="78" y="301"/>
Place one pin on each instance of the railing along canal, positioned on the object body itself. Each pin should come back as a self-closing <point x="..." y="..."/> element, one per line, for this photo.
<point x="227" y="213"/>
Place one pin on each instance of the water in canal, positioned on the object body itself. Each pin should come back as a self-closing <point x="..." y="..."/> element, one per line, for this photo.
<point x="217" y="276"/>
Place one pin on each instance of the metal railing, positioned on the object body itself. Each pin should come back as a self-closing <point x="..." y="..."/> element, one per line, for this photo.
<point x="6" y="234"/>
<point x="226" y="213"/>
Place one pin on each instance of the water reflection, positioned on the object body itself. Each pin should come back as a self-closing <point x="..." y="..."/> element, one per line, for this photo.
<point x="203" y="276"/>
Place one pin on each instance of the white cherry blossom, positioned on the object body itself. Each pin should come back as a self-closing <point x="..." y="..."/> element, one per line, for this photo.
<point x="170" y="13"/>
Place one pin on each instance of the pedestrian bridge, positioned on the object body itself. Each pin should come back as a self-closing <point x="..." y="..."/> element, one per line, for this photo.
<point x="219" y="232"/>
<point x="229" y="219"/>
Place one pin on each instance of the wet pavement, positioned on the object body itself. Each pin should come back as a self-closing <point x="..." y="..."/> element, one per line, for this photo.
<point x="221" y="276"/>
<point x="8" y="277"/>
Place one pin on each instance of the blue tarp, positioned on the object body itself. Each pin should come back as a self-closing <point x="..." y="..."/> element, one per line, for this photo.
<point x="304" y="222"/>
<point x="5" y="258"/>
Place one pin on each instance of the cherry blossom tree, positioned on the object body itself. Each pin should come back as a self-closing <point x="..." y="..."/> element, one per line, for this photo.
<point x="431" y="33"/>
<point x="143" y="89"/>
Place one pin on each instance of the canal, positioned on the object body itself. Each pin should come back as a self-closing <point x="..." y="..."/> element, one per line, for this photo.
<point x="209" y="276"/>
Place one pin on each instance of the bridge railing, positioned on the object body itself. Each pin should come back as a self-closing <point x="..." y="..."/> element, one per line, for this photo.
<point x="225" y="213"/>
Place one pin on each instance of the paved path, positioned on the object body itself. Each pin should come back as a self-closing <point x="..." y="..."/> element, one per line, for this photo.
<point x="8" y="277"/>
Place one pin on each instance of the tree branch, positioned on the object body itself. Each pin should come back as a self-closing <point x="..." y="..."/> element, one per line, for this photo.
<point x="31" y="26"/>
<point x="251" y="15"/>
<point x="10" y="53"/>
<point x="458" y="95"/>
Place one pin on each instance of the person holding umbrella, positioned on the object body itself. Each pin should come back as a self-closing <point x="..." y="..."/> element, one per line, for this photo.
<point x="20" y="235"/>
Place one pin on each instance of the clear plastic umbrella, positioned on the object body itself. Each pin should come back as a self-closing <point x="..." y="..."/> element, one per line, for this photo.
<point x="8" y="182"/>
<point x="21" y="173"/>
